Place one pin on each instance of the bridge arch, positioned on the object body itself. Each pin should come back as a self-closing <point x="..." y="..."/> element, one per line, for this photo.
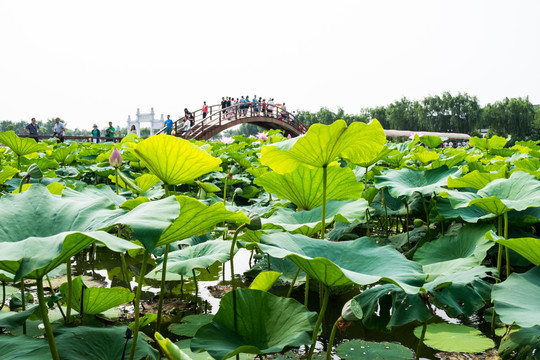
<point x="218" y="119"/>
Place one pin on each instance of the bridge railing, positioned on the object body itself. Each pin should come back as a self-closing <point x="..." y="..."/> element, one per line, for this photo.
<point x="218" y="116"/>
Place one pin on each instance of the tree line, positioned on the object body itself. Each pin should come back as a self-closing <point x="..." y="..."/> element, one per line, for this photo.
<point x="459" y="113"/>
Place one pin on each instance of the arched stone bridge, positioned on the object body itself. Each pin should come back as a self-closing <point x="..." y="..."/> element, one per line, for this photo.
<point x="218" y="120"/>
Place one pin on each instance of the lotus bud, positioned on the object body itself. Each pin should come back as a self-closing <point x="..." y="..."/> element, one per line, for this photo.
<point x="255" y="222"/>
<point x="35" y="172"/>
<point x="239" y="191"/>
<point x="116" y="159"/>
<point x="234" y="170"/>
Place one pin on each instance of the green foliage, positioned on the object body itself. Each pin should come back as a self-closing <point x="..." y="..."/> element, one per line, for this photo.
<point x="454" y="338"/>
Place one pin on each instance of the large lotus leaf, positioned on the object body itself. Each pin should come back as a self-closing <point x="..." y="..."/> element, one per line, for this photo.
<point x="475" y="179"/>
<point x="405" y="308"/>
<point x="454" y="338"/>
<point x="198" y="218"/>
<point x="89" y="210"/>
<point x="324" y="144"/>
<point x="34" y="257"/>
<point x="280" y="322"/>
<point x="309" y="222"/>
<point x="303" y="186"/>
<point x="406" y="182"/>
<point x="23" y="347"/>
<point x="175" y="160"/>
<point x="95" y="300"/>
<point x="516" y="299"/>
<point x="359" y="261"/>
<point x="455" y="253"/>
<point x="146" y="181"/>
<point x="89" y="343"/>
<point x="200" y="256"/>
<point x="470" y="214"/>
<point x="495" y="142"/>
<point x="385" y="151"/>
<point x="20" y="146"/>
<point x="395" y="206"/>
<point x="368" y="350"/>
<point x="519" y="192"/>
<point x="528" y="247"/>
<point x="431" y="141"/>
<point x="7" y="173"/>
<point x="521" y="345"/>
<point x="185" y="346"/>
<point x="12" y="319"/>
<point x="190" y="324"/>
<point x="424" y="155"/>
<point x="465" y="294"/>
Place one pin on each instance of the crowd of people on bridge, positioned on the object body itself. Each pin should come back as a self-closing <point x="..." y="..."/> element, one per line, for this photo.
<point x="243" y="106"/>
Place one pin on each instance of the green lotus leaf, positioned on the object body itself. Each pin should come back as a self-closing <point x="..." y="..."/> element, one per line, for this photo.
<point x="265" y="280"/>
<point x="303" y="186"/>
<point x="475" y="179"/>
<point x="185" y="346"/>
<point x="7" y="173"/>
<point x="516" y="299"/>
<point x="386" y="306"/>
<point x="95" y="300"/>
<point x="528" y="165"/>
<point x="20" y="146"/>
<point x="431" y="141"/>
<point x="394" y="206"/>
<point x="60" y="227"/>
<point x="495" y="142"/>
<point x="200" y="256"/>
<point x="197" y="218"/>
<point x="521" y="345"/>
<point x="309" y="222"/>
<point x="359" y="261"/>
<point x="175" y="160"/>
<point x="208" y="187"/>
<point x="12" y="319"/>
<point x="424" y="155"/>
<point x="132" y="204"/>
<point x="454" y="338"/>
<point x="280" y="322"/>
<point x="23" y="347"/>
<point x="455" y="253"/>
<point x="89" y="343"/>
<point x="406" y="182"/>
<point x="385" y="152"/>
<point x="190" y="324"/>
<point x="368" y="350"/>
<point x="324" y="144"/>
<point x="146" y="181"/>
<point x="528" y="247"/>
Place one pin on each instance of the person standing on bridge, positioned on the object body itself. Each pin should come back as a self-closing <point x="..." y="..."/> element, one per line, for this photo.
<point x="255" y="106"/>
<point x="204" y="110"/>
<point x="223" y="105"/>
<point x="59" y="130"/>
<point x="96" y="134"/>
<point x="270" y="107"/>
<point x="32" y="129"/>
<point x="248" y="105"/>
<point x="109" y="133"/>
<point x="168" y="125"/>
<point x="229" y="102"/>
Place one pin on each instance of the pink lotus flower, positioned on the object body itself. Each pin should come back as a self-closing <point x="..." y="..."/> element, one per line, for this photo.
<point x="116" y="159"/>
<point x="262" y="136"/>
<point x="226" y="140"/>
<point x="411" y="136"/>
<point x="289" y="136"/>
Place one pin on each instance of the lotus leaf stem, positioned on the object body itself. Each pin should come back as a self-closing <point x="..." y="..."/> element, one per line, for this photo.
<point x="506" y="247"/>
<point x="54" y="294"/>
<point x="125" y="273"/>
<point x="318" y="323"/>
<point x="162" y="287"/>
<point x="46" y="322"/>
<point x="368" y="225"/>
<point x="24" y="178"/>
<point x="408" y="237"/>
<point x="23" y="304"/>
<point x="137" y="302"/>
<point x="306" y="291"/>
<point x="3" y="294"/>
<point x="499" y="253"/>
<point x="323" y="216"/>
<point x="69" y="292"/>
<point x="196" y="288"/>
<point x="293" y="281"/>
<point x="425" y="210"/>
<point x="233" y="283"/>
<point x="116" y="180"/>
<point x="421" y="340"/>
<point x="331" y="339"/>
<point x="386" y="220"/>
<point x="81" y="309"/>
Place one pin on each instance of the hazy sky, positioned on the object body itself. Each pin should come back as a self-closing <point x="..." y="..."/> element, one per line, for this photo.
<point x="98" y="61"/>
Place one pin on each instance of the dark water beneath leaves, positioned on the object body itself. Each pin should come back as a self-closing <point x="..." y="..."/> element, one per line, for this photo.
<point x="214" y="282"/>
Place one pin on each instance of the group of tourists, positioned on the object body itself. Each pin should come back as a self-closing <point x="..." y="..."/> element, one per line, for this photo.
<point x="109" y="132"/>
<point x="257" y="106"/>
<point x="187" y="123"/>
<point x="33" y="129"/>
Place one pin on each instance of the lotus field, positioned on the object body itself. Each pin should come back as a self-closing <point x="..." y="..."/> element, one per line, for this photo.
<point x="334" y="245"/>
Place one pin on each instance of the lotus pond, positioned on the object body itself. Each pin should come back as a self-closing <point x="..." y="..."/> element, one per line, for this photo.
<point x="334" y="245"/>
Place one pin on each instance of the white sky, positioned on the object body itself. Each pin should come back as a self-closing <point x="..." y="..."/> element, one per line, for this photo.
<point x="98" y="61"/>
